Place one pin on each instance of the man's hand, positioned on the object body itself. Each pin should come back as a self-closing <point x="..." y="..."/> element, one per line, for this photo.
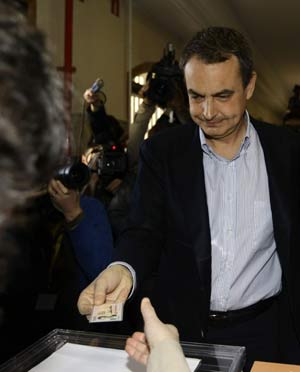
<point x="65" y="200"/>
<point x="92" y="99"/>
<point x="113" y="285"/>
<point x="139" y="345"/>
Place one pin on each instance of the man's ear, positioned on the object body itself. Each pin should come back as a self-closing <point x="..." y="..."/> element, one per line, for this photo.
<point x="251" y="85"/>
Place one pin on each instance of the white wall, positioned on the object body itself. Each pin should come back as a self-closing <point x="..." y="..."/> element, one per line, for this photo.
<point x="149" y="40"/>
<point x="99" y="48"/>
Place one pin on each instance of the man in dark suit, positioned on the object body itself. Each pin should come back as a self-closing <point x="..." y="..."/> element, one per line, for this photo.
<point x="216" y="213"/>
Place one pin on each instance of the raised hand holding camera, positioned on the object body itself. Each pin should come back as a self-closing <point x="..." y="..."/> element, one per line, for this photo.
<point x="97" y="86"/>
<point x="65" y="200"/>
<point x="94" y="95"/>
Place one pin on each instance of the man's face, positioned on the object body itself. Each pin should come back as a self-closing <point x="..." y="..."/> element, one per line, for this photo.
<point x="217" y="96"/>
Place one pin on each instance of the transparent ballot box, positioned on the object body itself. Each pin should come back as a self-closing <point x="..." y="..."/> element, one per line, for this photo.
<point x="77" y="349"/>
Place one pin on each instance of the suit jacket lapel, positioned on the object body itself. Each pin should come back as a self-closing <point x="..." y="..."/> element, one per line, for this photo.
<point x="194" y="205"/>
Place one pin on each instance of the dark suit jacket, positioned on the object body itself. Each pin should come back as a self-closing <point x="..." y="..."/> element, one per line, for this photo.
<point x="168" y="230"/>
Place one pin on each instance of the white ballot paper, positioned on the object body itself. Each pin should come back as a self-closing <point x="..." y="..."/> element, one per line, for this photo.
<point x="78" y="358"/>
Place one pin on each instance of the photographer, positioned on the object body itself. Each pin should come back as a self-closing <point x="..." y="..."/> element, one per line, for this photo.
<point x="81" y="244"/>
<point x="106" y="129"/>
<point x="164" y="88"/>
<point x="86" y="225"/>
<point x="108" y="133"/>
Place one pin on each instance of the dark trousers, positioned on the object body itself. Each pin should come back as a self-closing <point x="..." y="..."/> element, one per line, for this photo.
<point x="260" y="336"/>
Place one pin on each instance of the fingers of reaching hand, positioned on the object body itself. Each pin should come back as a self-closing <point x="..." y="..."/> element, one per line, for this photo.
<point x="148" y="311"/>
<point x="139" y="336"/>
<point x="114" y="283"/>
<point x="84" y="307"/>
<point x="52" y="187"/>
<point x="56" y="188"/>
<point x="137" y="348"/>
<point x="119" y="295"/>
<point x="101" y="290"/>
<point x="152" y="323"/>
<point x="86" y="300"/>
<point x="123" y="294"/>
<point x="62" y="189"/>
<point x="155" y="330"/>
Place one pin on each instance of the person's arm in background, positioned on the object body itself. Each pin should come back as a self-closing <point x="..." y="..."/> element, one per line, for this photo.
<point x="93" y="100"/>
<point x="105" y="127"/>
<point x="87" y="226"/>
<point x="92" y="238"/>
<point x="158" y="347"/>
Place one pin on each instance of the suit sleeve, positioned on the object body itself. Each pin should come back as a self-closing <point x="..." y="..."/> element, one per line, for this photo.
<point x="142" y="241"/>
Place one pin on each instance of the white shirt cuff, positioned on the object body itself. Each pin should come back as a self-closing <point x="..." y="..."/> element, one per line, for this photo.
<point x="132" y="272"/>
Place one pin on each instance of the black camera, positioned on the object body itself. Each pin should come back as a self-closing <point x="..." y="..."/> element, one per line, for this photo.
<point x="74" y="174"/>
<point x="112" y="163"/>
<point x="109" y="160"/>
<point x="161" y="78"/>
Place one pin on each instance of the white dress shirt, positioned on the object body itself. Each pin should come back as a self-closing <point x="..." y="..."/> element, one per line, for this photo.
<point x="245" y="264"/>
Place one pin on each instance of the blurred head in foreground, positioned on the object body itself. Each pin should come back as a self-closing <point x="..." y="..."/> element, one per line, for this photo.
<point x="32" y="134"/>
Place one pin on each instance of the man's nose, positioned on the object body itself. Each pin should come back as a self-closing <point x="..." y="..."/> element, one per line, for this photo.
<point x="208" y="109"/>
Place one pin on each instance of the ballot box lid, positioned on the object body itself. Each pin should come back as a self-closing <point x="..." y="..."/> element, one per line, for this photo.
<point x="214" y="358"/>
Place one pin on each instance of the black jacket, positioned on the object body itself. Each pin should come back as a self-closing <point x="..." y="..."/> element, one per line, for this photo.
<point x="168" y="230"/>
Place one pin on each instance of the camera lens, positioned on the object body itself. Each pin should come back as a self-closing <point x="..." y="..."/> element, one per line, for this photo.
<point x="74" y="175"/>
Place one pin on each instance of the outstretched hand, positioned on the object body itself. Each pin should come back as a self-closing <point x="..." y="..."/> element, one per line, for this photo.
<point x="140" y="344"/>
<point x="112" y="285"/>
